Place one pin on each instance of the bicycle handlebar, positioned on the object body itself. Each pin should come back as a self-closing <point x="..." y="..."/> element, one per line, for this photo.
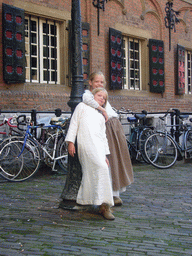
<point x="167" y="112"/>
<point x="9" y="123"/>
<point x="170" y="110"/>
<point x="128" y="111"/>
<point x="55" y="122"/>
<point x="21" y="120"/>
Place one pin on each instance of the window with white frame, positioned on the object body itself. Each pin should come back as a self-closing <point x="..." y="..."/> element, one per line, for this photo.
<point x="188" y="83"/>
<point x="42" y="50"/>
<point x="131" y="63"/>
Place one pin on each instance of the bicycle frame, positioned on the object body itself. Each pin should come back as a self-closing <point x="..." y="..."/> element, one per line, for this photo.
<point x="52" y="157"/>
<point x="135" y="147"/>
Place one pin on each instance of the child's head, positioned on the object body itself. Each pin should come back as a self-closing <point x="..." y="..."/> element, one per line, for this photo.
<point x="96" y="79"/>
<point x="101" y="96"/>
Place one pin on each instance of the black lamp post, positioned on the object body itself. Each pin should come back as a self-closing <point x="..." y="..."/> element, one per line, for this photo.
<point x="77" y="67"/>
<point x="170" y="19"/>
<point x="99" y="4"/>
<point x="73" y="180"/>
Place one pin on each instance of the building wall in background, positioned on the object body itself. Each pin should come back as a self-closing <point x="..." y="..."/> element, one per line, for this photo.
<point x="138" y="22"/>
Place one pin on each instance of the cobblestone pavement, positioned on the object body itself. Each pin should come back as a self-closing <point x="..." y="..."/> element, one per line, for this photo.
<point x="155" y="219"/>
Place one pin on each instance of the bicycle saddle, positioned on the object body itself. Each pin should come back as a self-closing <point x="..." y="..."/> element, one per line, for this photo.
<point x="131" y="119"/>
<point x="140" y="116"/>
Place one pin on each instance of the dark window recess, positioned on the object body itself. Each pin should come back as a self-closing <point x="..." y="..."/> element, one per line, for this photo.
<point x="85" y="52"/>
<point x="115" y="55"/>
<point x="13" y="44"/>
<point x="180" y="82"/>
<point x="156" y="66"/>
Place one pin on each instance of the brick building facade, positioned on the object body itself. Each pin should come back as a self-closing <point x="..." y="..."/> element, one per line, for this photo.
<point x="132" y="50"/>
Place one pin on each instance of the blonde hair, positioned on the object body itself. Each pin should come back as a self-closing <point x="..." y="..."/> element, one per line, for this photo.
<point x="98" y="73"/>
<point x="96" y="90"/>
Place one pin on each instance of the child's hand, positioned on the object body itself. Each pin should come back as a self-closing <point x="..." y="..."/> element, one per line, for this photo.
<point x="105" y="115"/>
<point x="71" y="149"/>
<point x="107" y="161"/>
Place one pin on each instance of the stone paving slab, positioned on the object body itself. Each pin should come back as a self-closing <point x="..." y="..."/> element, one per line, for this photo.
<point x="155" y="219"/>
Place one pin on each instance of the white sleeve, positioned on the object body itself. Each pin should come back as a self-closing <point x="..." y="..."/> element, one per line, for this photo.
<point x="110" y="111"/>
<point x="74" y="123"/>
<point x="88" y="99"/>
<point x="107" y="151"/>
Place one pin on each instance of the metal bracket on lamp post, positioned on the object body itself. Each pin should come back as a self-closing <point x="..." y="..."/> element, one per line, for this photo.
<point x="170" y="19"/>
<point x="99" y="4"/>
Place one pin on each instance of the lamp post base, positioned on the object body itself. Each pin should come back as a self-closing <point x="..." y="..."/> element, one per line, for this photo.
<point x="73" y="180"/>
<point x="73" y="206"/>
<point x="68" y="205"/>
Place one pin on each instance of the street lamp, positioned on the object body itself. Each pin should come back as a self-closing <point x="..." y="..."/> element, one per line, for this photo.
<point x="73" y="180"/>
<point x="99" y="4"/>
<point x="170" y="19"/>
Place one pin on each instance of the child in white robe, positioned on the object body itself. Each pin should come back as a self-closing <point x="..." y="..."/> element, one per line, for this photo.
<point x="119" y="158"/>
<point x="88" y="126"/>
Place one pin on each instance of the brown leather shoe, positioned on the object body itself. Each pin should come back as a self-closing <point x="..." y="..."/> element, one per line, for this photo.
<point x="105" y="211"/>
<point x="117" y="201"/>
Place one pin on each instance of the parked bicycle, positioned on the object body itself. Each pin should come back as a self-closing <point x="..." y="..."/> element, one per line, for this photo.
<point x="139" y="131"/>
<point x="20" y="157"/>
<point x="161" y="148"/>
<point x="9" y="128"/>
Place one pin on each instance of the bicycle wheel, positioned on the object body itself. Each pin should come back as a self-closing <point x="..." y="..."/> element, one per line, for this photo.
<point x="10" y="164"/>
<point x="188" y="144"/>
<point x="161" y="150"/>
<point x="62" y="150"/>
<point x="144" y="134"/>
<point x="30" y="159"/>
<point x="9" y="139"/>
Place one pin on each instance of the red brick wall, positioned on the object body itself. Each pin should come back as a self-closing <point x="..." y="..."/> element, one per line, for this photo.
<point x="26" y="101"/>
<point x="27" y="97"/>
